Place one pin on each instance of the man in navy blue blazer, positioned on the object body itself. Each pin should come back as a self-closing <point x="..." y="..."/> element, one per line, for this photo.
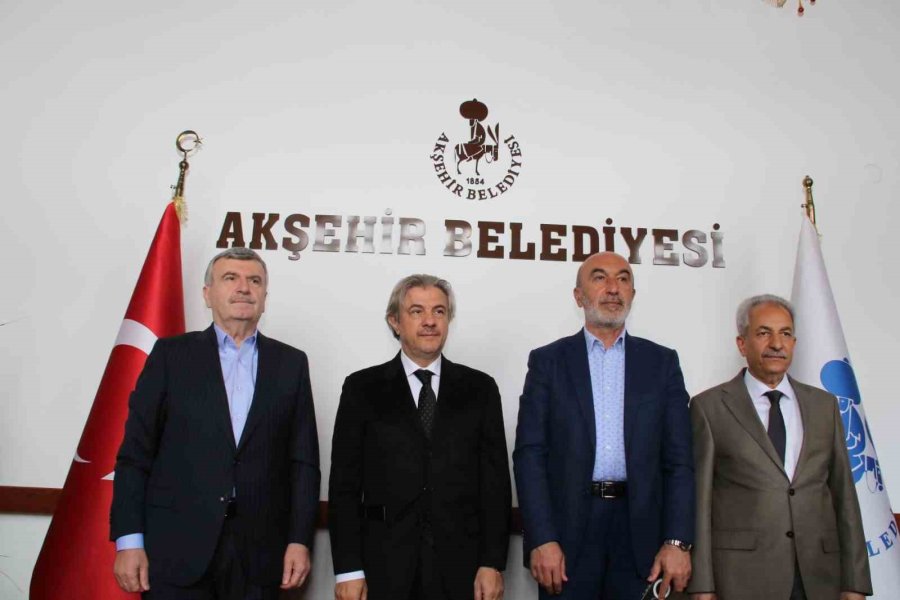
<point x="217" y="477"/>
<point x="603" y="458"/>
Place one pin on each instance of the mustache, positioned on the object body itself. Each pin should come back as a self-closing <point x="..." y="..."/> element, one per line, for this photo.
<point x="772" y="354"/>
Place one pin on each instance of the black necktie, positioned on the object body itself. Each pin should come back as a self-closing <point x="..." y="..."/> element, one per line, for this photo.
<point x="777" y="431"/>
<point x="427" y="401"/>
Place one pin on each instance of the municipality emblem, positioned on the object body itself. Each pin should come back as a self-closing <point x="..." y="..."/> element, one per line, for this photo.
<point x="481" y="167"/>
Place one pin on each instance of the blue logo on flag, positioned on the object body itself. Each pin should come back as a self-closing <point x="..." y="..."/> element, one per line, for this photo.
<point x="838" y="378"/>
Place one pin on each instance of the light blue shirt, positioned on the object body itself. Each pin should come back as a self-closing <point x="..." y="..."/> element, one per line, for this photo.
<point x="239" y="366"/>
<point x="607" y="366"/>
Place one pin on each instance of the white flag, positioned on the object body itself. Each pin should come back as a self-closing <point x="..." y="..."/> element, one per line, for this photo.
<point x="821" y="359"/>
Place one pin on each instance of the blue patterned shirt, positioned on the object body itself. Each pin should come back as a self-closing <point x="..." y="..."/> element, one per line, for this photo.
<point x="607" y="367"/>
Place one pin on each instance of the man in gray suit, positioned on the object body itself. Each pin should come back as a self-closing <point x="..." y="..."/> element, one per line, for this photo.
<point x="777" y="514"/>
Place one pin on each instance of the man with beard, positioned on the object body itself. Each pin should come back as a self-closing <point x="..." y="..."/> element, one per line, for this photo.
<point x="603" y="459"/>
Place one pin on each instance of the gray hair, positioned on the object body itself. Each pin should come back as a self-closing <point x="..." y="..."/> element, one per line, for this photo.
<point x="742" y="318"/>
<point x="421" y="280"/>
<point x="235" y="254"/>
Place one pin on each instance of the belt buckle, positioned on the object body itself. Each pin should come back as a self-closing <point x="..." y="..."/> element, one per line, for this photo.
<point x="374" y="513"/>
<point x="606" y="490"/>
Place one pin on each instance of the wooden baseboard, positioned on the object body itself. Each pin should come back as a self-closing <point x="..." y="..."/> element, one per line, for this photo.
<point x="28" y="500"/>
<point x="42" y="501"/>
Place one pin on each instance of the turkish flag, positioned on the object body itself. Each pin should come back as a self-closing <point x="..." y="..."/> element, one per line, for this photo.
<point x="77" y="557"/>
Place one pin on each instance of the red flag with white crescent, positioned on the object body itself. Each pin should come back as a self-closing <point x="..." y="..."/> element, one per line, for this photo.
<point x="77" y="557"/>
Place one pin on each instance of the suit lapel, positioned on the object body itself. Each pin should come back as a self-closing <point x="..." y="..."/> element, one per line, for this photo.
<point x="398" y="394"/>
<point x="448" y="396"/>
<point x="264" y="392"/>
<point x="806" y="412"/>
<point x="215" y="384"/>
<point x="580" y="374"/>
<point x="739" y="403"/>
<point x="633" y="362"/>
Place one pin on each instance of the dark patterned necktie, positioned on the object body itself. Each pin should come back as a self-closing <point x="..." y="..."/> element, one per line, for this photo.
<point x="427" y="401"/>
<point x="777" y="431"/>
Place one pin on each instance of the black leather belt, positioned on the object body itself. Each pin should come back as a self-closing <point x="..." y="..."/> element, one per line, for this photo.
<point x="374" y="513"/>
<point x="379" y="512"/>
<point x="609" y="489"/>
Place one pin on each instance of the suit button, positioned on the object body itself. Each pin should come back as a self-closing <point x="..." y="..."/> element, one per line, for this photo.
<point x="237" y="462"/>
<point x="792" y="491"/>
<point x="222" y="499"/>
<point x="790" y="534"/>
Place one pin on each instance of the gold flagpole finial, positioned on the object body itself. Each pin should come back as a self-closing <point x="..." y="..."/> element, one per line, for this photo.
<point x="187" y="143"/>
<point x="810" y="206"/>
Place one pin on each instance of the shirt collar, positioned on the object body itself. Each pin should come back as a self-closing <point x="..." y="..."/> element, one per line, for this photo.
<point x="409" y="367"/>
<point x="223" y="339"/>
<point x="757" y="388"/>
<point x="590" y="338"/>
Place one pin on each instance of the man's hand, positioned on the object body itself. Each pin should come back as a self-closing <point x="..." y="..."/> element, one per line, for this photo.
<point x="488" y="584"/>
<point x="548" y="567"/>
<point x="852" y="596"/>
<point x="705" y="596"/>
<point x="674" y="565"/>
<point x="296" y="566"/>
<point x="131" y="570"/>
<point x="355" y="589"/>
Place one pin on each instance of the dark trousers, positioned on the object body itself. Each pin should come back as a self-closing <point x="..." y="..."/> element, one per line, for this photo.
<point x="428" y="584"/>
<point x="224" y="580"/>
<point x="604" y="568"/>
<point x="797" y="593"/>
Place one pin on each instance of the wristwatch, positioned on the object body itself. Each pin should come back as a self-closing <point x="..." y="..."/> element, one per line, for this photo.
<point x="679" y="544"/>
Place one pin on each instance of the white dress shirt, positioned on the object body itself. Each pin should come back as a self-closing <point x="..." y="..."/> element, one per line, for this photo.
<point x="415" y="386"/>
<point x="790" y="409"/>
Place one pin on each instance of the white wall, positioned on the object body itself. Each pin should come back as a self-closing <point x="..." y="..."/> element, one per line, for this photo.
<point x="655" y="114"/>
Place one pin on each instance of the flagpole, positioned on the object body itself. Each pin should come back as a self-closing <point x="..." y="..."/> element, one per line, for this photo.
<point x="810" y="206"/>
<point x="187" y="143"/>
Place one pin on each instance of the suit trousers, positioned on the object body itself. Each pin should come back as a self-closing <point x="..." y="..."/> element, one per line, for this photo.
<point x="223" y="580"/>
<point x="604" y="568"/>
<point x="797" y="593"/>
<point x="428" y="584"/>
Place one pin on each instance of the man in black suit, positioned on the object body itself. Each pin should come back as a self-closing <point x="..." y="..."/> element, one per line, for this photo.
<point x="419" y="493"/>
<point x="217" y="479"/>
